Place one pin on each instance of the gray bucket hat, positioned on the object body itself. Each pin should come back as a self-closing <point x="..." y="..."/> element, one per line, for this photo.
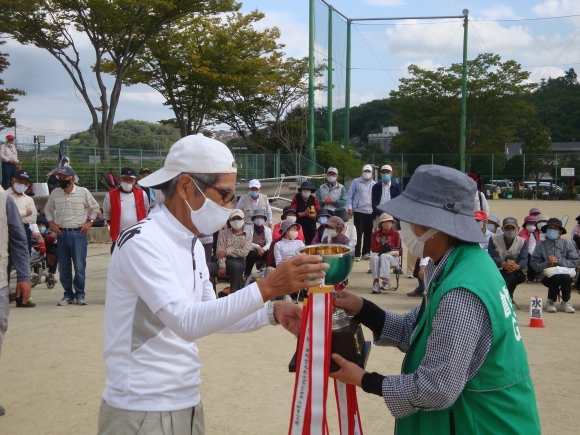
<point x="285" y="225"/>
<point x="438" y="197"/>
<point x="259" y="212"/>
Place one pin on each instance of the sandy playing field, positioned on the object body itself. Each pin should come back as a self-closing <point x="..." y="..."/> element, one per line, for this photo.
<point x="52" y="374"/>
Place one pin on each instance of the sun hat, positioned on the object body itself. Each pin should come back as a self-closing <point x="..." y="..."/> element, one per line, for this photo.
<point x="193" y="154"/>
<point x="493" y="218"/>
<point x="480" y="215"/>
<point x="323" y="212"/>
<point x="259" y="212"/>
<point x="342" y="213"/>
<point x="441" y="198"/>
<point x="529" y="219"/>
<point x="554" y="221"/>
<point x="534" y="210"/>
<point x="510" y="221"/>
<point x="367" y="168"/>
<point x="542" y="217"/>
<point x="306" y="185"/>
<point x="334" y="222"/>
<point x="385" y="217"/>
<point x="237" y="212"/>
<point x="387" y="167"/>
<point x="333" y="170"/>
<point x="66" y="170"/>
<point x="286" y="224"/>
<point x="287" y="209"/>
<point x="254" y="183"/>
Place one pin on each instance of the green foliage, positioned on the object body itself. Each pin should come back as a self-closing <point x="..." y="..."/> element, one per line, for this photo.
<point x="428" y="106"/>
<point x="7" y="96"/>
<point x="537" y="141"/>
<point x="365" y="119"/>
<point x="344" y="159"/>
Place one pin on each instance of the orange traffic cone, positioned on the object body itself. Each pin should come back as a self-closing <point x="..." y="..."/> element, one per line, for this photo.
<point x="536" y="313"/>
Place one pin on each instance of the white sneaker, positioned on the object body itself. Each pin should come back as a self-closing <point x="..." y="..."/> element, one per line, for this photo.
<point x="386" y="285"/>
<point x="366" y="257"/>
<point x="550" y="307"/>
<point x="376" y="289"/>
<point x="567" y="307"/>
<point x="356" y="258"/>
<point x="410" y="276"/>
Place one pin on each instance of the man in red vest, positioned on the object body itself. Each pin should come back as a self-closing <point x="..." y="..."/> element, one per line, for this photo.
<point x="124" y="206"/>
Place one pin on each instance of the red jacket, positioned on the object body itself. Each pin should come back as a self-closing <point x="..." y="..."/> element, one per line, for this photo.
<point x="380" y="238"/>
<point x="115" y="198"/>
<point x="526" y="235"/>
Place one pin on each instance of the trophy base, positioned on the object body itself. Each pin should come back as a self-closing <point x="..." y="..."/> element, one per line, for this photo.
<point x="349" y="343"/>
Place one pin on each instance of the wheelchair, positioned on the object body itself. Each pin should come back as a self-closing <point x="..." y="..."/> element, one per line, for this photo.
<point x="38" y="270"/>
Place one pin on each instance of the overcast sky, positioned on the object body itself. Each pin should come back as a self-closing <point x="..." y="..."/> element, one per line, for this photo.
<point x="381" y="54"/>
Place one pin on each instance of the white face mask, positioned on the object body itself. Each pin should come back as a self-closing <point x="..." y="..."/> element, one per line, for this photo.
<point x="531" y="228"/>
<point x="331" y="233"/>
<point x="415" y="244"/>
<point x="237" y="224"/>
<point x="210" y="217"/>
<point x="259" y="222"/>
<point x="539" y="225"/>
<point x="331" y="179"/>
<point x="367" y="175"/>
<point x="19" y="188"/>
<point x="291" y="219"/>
<point x="306" y="193"/>
<point x="293" y="234"/>
<point x="127" y="187"/>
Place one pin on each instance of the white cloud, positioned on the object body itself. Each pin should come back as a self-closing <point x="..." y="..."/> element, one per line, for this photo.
<point x="294" y="34"/>
<point x="554" y="8"/>
<point x="498" y="11"/>
<point x="385" y="3"/>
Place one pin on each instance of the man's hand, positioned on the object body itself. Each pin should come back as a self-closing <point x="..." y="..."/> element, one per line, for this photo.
<point x="271" y="225"/>
<point x="261" y="251"/>
<point x="28" y="212"/>
<point x="349" y="372"/>
<point x="329" y="200"/>
<point x="312" y="215"/>
<point x="221" y="254"/>
<point x="351" y="303"/>
<point x="23" y="289"/>
<point x="552" y="259"/>
<point x="222" y="272"/>
<point x="289" y="315"/>
<point x="292" y="275"/>
<point x="85" y="227"/>
<point x="55" y="228"/>
<point x="350" y="212"/>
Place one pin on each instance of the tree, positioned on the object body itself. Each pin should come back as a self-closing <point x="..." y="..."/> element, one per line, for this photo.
<point x="428" y="106"/>
<point x="344" y="159"/>
<point x="7" y="96"/>
<point x="117" y="31"/>
<point x="367" y="118"/>
<point x="537" y="147"/>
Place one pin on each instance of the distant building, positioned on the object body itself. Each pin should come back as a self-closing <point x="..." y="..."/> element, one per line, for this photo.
<point x="384" y="139"/>
<point x="515" y="148"/>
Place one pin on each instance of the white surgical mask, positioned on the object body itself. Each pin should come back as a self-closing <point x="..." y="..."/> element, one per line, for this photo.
<point x="237" y="224"/>
<point x="415" y="244"/>
<point x="510" y="234"/>
<point x="127" y="187"/>
<point x="331" y="179"/>
<point x="491" y="227"/>
<point x="19" y="188"/>
<point x="259" y="222"/>
<point x="367" y="175"/>
<point x="291" y="219"/>
<point x="210" y="217"/>
<point x="331" y="233"/>
<point x="539" y="225"/>
<point x="306" y="193"/>
<point x="531" y="228"/>
<point x="293" y="234"/>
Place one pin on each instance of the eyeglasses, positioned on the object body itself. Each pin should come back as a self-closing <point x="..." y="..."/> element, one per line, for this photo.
<point x="228" y="195"/>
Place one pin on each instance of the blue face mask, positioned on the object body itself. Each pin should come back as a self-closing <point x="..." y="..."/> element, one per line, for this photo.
<point x="322" y="220"/>
<point x="42" y="230"/>
<point x="552" y="234"/>
<point x="386" y="177"/>
<point x="254" y="193"/>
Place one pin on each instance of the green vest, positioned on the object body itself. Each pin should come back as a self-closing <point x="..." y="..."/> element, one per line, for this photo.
<point x="500" y="398"/>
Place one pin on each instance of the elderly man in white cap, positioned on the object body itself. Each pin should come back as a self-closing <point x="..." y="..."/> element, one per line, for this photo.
<point x="252" y="201"/>
<point x="386" y="190"/>
<point x="359" y="205"/>
<point x="465" y="370"/>
<point x="331" y="195"/>
<point x="154" y="315"/>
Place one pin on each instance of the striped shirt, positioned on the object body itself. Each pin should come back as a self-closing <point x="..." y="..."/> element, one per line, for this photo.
<point x="71" y="210"/>
<point x="8" y="152"/>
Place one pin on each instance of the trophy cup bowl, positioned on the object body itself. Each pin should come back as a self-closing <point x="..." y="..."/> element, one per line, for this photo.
<point x="347" y="336"/>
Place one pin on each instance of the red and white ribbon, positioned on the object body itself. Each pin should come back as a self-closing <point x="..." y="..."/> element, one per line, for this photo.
<point x="348" y="414"/>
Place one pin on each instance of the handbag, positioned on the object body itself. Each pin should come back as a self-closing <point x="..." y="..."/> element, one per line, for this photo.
<point x="559" y="270"/>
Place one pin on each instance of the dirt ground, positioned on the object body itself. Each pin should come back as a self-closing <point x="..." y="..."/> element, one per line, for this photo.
<point x="52" y="374"/>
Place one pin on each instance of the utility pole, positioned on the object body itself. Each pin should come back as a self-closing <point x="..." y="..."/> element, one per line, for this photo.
<point x="311" y="91"/>
<point x="463" y="95"/>
<point x="347" y="87"/>
<point x="329" y="74"/>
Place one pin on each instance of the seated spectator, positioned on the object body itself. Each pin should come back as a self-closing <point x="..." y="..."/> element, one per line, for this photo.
<point x="232" y="249"/>
<point x="481" y="219"/>
<point x="534" y="212"/>
<point x="494" y="224"/>
<point x="541" y="220"/>
<point x="510" y="254"/>
<point x="261" y="240"/>
<point x="349" y="229"/>
<point x="531" y="235"/>
<point x="385" y="249"/>
<point x="322" y="217"/>
<point x="334" y="228"/>
<point x="287" y="213"/>
<point x="287" y="246"/>
<point x="555" y="251"/>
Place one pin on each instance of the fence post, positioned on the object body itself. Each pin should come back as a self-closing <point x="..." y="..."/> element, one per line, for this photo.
<point x="402" y="171"/>
<point x="246" y="167"/>
<point x="492" y="156"/>
<point x="95" y="166"/>
<point x="556" y="172"/>
<point x="296" y="163"/>
<point x="524" y="174"/>
<point x="36" y="160"/>
<point x="263" y="165"/>
<point x="140" y="158"/>
<point x="119" y="154"/>
<point x="277" y="164"/>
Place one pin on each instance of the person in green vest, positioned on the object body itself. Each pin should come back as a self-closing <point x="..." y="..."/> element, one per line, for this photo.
<point x="465" y="370"/>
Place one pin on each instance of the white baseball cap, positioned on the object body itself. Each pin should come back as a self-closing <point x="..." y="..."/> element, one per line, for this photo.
<point x="331" y="169"/>
<point x="237" y="212"/>
<point x="388" y="167"/>
<point x="195" y="154"/>
<point x="367" y="168"/>
<point x="254" y="183"/>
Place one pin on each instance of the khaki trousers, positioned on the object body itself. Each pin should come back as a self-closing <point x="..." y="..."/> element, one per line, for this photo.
<point x="113" y="421"/>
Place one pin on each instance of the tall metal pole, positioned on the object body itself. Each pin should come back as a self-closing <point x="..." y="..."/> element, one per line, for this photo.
<point x="329" y="76"/>
<point x="311" y="90"/>
<point x="463" y="95"/>
<point x="347" y="89"/>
